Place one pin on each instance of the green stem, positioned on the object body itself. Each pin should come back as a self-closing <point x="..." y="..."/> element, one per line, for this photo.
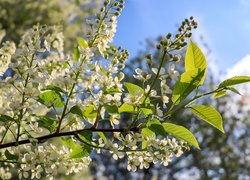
<point x="170" y="112"/>
<point x="23" y="99"/>
<point x="64" y="113"/>
<point x="150" y="89"/>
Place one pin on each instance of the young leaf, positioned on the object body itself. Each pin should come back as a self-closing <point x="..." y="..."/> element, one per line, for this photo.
<point x="86" y="136"/>
<point x="220" y="94"/>
<point x="5" y="118"/>
<point x="56" y="89"/>
<point x="112" y="109"/>
<point x="47" y="123"/>
<point x="188" y="81"/>
<point x="10" y="156"/>
<point x="76" y="53"/>
<point x="234" y="81"/>
<point x="146" y="132"/>
<point x="208" y="114"/>
<point x="181" y="133"/>
<point x="82" y="43"/>
<point x="76" y="110"/>
<point x="111" y="91"/>
<point x="68" y="141"/>
<point x="80" y="151"/>
<point x="234" y="90"/>
<point x="127" y="108"/>
<point x="102" y="135"/>
<point x="195" y="60"/>
<point x="133" y="89"/>
<point x="50" y="98"/>
<point x="156" y="126"/>
<point x="89" y="112"/>
<point x="146" y="111"/>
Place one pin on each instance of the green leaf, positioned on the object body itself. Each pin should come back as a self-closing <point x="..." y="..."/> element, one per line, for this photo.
<point x="47" y="123"/>
<point x="56" y="89"/>
<point x="82" y="43"/>
<point x="76" y="53"/>
<point x="195" y="60"/>
<point x="76" y="110"/>
<point x="50" y="98"/>
<point x="181" y="133"/>
<point x="89" y="112"/>
<point x="146" y="132"/>
<point x="220" y="94"/>
<point x="234" y="81"/>
<point x="6" y="118"/>
<point x="133" y="89"/>
<point x="69" y="142"/>
<point x="86" y="136"/>
<point x="233" y="90"/>
<point x="146" y="111"/>
<point x="33" y="141"/>
<point x="111" y="91"/>
<point x="10" y="156"/>
<point x="208" y="114"/>
<point x="156" y="126"/>
<point x="188" y="81"/>
<point x="102" y="135"/>
<point x="112" y="109"/>
<point x="80" y="151"/>
<point x="127" y="108"/>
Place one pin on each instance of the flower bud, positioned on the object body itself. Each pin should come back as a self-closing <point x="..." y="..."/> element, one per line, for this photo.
<point x="148" y="56"/>
<point x="106" y="2"/>
<point x="168" y="35"/>
<point x="158" y="46"/>
<point x="149" y="63"/>
<point x="176" y="57"/>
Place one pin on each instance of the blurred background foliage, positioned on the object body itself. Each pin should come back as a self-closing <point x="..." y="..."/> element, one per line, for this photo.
<point x="16" y="16"/>
<point x="223" y="156"/>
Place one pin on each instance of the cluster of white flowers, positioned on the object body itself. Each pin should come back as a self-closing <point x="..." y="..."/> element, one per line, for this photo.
<point x="45" y="159"/>
<point x="106" y="23"/>
<point x="154" y="150"/>
<point x="6" y="51"/>
<point x="51" y="93"/>
<point x="5" y="173"/>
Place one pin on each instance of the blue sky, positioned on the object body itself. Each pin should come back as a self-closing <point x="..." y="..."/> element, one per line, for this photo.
<point x="224" y="24"/>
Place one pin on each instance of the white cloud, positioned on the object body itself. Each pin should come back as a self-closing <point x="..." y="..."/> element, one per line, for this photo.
<point x="242" y="67"/>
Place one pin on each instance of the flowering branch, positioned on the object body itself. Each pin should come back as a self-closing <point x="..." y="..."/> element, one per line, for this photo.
<point x="42" y="139"/>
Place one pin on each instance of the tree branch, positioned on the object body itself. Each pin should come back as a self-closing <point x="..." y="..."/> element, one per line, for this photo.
<point x="42" y="139"/>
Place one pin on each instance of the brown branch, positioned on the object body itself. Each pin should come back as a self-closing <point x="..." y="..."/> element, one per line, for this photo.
<point x="42" y="139"/>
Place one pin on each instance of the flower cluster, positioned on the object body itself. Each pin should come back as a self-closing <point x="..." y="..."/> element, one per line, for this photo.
<point x="45" y="159"/>
<point x="52" y="94"/>
<point x="154" y="150"/>
<point x="6" y="51"/>
<point x="105" y="25"/>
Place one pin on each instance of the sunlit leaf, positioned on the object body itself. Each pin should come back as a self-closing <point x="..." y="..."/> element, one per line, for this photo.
<point x="208" y="114"/>
<point x="127" y="108"/>
<point x="195" y="59"/>
<point x="50" y="98"/>
<point x="188" y="81"/>
<point x="80" y="151"/>
<point x="133" y="89"/>
<point x="89" y="112"/>
<point x="234" y="81"/>
<point x="181" y="133"/>
<point x="82" y="42"/>
<point x="146" y="132"/>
